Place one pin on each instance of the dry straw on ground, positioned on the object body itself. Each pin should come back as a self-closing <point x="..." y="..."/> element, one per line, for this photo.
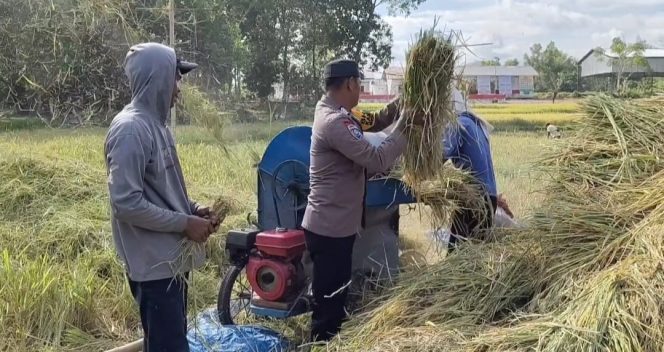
<point x="587" y="275"/>
<point x="59" y="279"/>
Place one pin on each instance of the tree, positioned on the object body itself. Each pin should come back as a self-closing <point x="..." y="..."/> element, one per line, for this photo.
<point x="210" y="36"/>
<point x="555" y="68"/>
<point x="627" y="58"/>
<point x="281" y="34"/>
<point x="359" y="33"/>
<point x="512" y="62"/>
<point x="61" y="59"/>
<point x="258" y="31"/>
<point x="494" y="62"/>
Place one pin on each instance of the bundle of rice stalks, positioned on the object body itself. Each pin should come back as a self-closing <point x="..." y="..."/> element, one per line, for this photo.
<point x="587" y="275"/>
<point x="597" y="198"/>
<point x="429" y="338"/>
<point x="617" y="309"/>
<point x="225" y="206"/>
<point x="41" y="299"/>
<point x="428" y="92"/>
<point x="446" y="194"/>
<point x="450" y="192"/>
<point x="189" y="251"/>
<point x="60" y="206"/>
<point x="617" y="141"/>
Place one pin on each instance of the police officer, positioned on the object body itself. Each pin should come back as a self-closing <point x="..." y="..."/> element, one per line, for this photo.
<point x="340" y="161"/>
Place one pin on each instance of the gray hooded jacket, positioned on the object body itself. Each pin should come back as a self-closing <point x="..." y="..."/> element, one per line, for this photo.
<point x="149" y="201"/>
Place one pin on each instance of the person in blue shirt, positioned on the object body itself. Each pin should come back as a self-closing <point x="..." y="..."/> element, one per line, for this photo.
<point x="468" y="147"/>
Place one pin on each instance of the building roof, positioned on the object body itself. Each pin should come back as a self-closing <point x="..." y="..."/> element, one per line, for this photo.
<point x="648" y="53"/>
<point x="372" y="75"/>
<point x="393" y="72"/>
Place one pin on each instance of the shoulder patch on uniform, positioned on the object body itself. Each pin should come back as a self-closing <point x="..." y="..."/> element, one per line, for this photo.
<point x="353" y="129"/>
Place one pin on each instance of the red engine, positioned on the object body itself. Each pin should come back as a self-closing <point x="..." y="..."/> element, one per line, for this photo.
<point x="275" y="271"/>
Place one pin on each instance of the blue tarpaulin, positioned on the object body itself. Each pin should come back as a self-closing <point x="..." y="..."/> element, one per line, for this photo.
<point x="207" y="334"/>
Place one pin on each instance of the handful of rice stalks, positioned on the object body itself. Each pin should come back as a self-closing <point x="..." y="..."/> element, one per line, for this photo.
<point x="223" y="206"/>
<point x="188" y="249"/>
<point x="428" y="93"/>
<point x="449" y="192"/>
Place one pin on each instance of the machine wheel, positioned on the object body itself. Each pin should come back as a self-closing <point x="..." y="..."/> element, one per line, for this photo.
<point x="234" y="296"/>
<point x="291" y="183"/>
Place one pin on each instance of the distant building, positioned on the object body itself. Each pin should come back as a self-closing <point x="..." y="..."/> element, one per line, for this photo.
<point x="381" y="86"/>
<point x="503" y="81"/>
<point x="605" y="65"/>
<point x="484" y="82"/>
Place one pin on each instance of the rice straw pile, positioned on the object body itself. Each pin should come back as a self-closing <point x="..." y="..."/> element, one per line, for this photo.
<point x="61" y="285"/>
<point x="587" y="275"/>
<point x="427" y="91"/>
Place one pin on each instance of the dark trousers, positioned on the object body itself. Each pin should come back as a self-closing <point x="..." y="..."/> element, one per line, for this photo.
<point x="466" y="223"/>
<point x="332" y="260"/>
<point x="163" y="308"/>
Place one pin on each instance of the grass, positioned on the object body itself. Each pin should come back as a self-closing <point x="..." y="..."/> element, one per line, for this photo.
<point x="19" y="123"/>
<point x="63" y="288"/>
<point x="513" y="117"/>
<point x="528" y="108"/>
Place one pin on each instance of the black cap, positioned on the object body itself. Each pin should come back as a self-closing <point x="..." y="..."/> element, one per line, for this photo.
<point x="342" y="68"/>
<point x="184" y="66"/>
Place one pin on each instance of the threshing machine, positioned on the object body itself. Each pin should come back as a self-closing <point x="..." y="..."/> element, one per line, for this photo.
<point x="270" y="272"/>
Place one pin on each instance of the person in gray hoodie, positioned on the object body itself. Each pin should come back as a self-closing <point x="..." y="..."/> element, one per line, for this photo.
<point x="151" y="213"/>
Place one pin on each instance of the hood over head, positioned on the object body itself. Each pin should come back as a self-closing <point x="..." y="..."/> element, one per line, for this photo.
<point x="461" y="106"/>
<point x="151" y="69"/>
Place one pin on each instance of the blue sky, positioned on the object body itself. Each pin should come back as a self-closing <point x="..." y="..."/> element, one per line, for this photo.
<point x="514" y="25"/>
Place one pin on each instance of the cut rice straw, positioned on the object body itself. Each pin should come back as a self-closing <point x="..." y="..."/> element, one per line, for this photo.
<point x="428" y="92"/>
<point x="586" y="275"/>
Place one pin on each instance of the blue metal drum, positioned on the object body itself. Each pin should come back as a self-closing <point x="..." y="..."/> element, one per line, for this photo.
<point x="283" y="182"/>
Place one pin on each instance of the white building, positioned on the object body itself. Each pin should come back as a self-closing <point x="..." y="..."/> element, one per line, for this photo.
<point x="393" y="77"/>
<point x="374" y="83"/>
<point x="605" y="65"/>
<point x="485" y="82"/>
<point x="505" y="81"/>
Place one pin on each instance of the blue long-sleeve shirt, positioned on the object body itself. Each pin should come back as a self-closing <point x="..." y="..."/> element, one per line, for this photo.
<point x="469" y="149"/>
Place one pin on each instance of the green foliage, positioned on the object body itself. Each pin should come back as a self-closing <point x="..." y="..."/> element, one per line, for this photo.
<point x="494" y="62"/>
<point x="557" y="71"/>
<point x="289" y="41"/>
<point x="63" y="59"/>
<point x="60" y="59"/>
<point x="396" y="7"/>
<point x="625" y="59"/>
<point x="512" y="62"/>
